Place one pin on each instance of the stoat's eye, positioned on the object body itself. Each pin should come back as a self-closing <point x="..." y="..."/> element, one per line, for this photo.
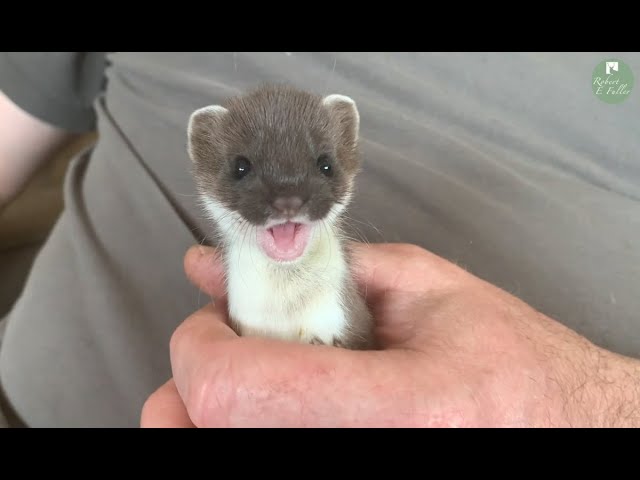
<point x="324" y="164"/>
<point x="241" y="167"/>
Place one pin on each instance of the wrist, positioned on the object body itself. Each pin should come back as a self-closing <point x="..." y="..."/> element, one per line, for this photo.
<point x="616" y="390"/>
<point x="605" y="392"/>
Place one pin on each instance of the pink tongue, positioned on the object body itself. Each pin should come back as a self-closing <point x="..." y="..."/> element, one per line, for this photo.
<point x="285" y="242"/>
<point x="284" y="236"/>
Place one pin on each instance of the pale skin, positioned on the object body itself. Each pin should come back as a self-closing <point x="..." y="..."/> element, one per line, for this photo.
<point x="456" y="352"/>
<point x="26" y="143"/>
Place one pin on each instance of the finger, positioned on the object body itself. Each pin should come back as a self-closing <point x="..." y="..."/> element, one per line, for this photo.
<point x="165" y="409"/>
<point x="204" y="268"/>
<point x="225" y="381"/>
<point x="194" y="343"/>
<point x="397" y="267"/>
<point x="262" y="383"/>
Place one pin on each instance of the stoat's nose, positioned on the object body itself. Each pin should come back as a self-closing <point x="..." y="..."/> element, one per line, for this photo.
<point x="288" y="206"/>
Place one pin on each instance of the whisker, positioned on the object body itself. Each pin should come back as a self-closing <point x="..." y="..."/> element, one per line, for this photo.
<point x="188" y="194"/>
<point x="330" y="77"/>
<point x="326" y="229"/>
<point x="200" y="290"/>
<point x="244" y="230"/>
<point x="359" y="237"/>
<point x="352" y="220"/>
<point x="366" y="223"/>
<point x="250" y="229"/>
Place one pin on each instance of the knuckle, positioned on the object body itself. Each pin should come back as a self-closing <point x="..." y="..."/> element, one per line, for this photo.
<point x="412" y="251"/>
<point x="402" y="250"/>
<point x="410" y="256"/>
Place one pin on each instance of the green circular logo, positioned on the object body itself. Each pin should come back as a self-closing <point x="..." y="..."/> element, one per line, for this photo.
<point x="612" y="81"/>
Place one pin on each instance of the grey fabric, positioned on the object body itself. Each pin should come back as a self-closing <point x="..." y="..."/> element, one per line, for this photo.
<point x="57" y="87"/>
<point x="3" y="324"/>
<point x="504" y="163"/>
<point x="4" y="423"/>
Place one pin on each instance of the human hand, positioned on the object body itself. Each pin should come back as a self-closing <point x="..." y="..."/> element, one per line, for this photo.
<point x="456" y="351"/>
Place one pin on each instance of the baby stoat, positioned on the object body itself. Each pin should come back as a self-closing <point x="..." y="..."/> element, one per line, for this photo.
<point x="274" y="169"/>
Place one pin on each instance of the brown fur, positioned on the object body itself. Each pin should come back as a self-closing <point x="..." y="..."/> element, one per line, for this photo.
<point x="282" y="131"/>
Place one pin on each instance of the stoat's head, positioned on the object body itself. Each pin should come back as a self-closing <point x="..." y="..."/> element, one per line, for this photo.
<point x="277" y="162"/>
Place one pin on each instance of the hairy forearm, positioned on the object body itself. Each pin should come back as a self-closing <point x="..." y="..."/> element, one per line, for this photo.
<point x="615" y="390"/>
<point x="583" y="385"/>
<point x="601" y="390"/>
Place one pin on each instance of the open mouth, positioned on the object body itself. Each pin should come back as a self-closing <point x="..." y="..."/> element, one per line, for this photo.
<point x="286" y="241"/>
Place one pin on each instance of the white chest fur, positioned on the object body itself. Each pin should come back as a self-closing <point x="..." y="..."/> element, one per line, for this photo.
<point x="297" y="302"/>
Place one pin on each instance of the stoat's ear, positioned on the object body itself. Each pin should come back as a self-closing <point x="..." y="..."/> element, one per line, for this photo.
<point x="345" y="116"/>
<point x="203" y="131"/>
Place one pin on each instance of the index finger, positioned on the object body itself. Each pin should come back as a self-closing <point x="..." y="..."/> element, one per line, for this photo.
<point x="227" y="381"/>
<point x="193" y="344"/>
<point x="205" y="269"/>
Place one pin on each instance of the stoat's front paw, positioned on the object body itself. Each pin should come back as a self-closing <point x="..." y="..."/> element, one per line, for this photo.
<point x="336" y="342"/>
